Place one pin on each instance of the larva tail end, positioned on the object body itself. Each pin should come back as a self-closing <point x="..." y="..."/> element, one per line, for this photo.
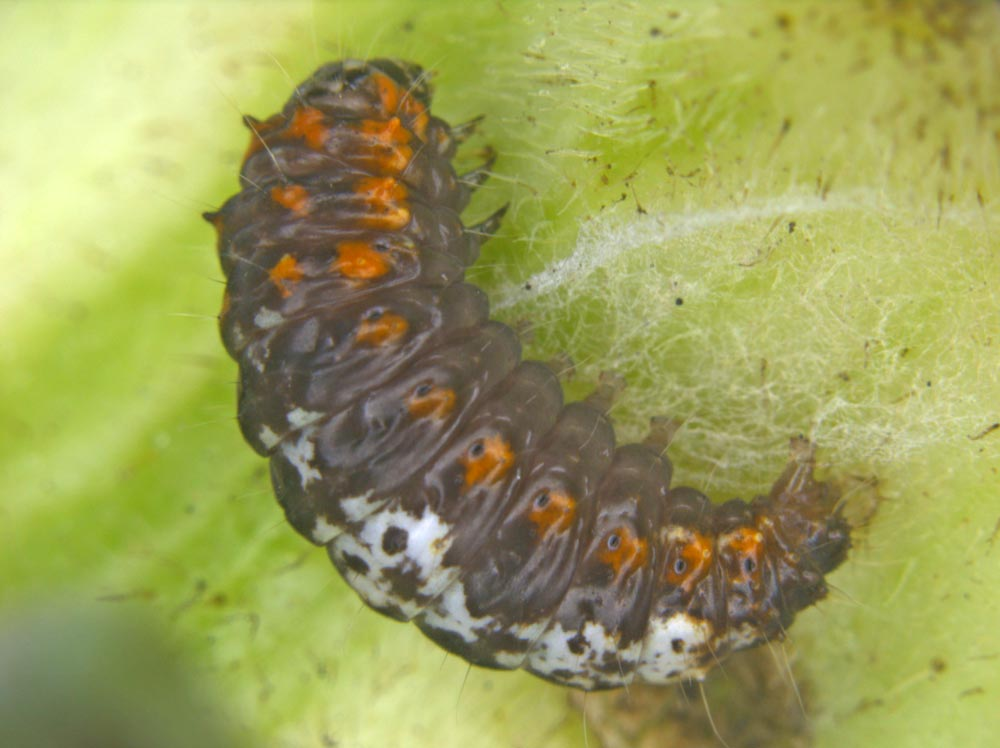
<point x="805" y="510"/>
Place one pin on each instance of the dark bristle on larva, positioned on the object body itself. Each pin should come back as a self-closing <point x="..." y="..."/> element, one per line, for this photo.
<point x="448" y="481"/>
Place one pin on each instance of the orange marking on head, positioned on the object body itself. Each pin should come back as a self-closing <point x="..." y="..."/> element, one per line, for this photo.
<point x="748" y="544"/>
<point x="435" y="402"/>
<point x="227" y="302"/>
<point x="688" y="564"/>
<point x="487" y="460"/>
<point x="295" y="197"/>
<point x="386" y="196"/>
<point x="623" y="551"/>
<point x="391" y="138"/>
<point x="307" y="123"/>
<point x="286" y="272"/>
<point x="386" y="328"/>
<point x="552" y="511"/>
<point x="418" y="115"/>
<point x="389" y="92"/>
<point x="359" y="261"/>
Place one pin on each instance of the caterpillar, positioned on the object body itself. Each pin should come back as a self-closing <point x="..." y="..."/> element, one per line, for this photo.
<point x="448" y="481"/>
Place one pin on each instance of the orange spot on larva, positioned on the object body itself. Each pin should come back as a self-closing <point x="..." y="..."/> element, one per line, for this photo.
<point x="386" y="328"/>
<point x="386" y="132"/>
<point x="386" y="197"/>
<point x="552" y="511"/>
<point x="377" y="190"/>
<point x="487" y="460"/>
<point x="227" y="302"/>
<point x="286" y="272"/>
<point x="688" y="563"/>
<point x="623" y="551"/>
<point x="436" y="402"/>
<point x="307" y="123"/>
<point x="746" y="543"/>
<point x="294" y="197"/>
<point x="391" y="138"/>
<point x="360" y="261"/>
<point x="419" y="118"/>
<point x="389" y="92"/>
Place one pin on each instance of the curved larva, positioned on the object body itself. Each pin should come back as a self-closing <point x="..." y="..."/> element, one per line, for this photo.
<point x="444" y="475"/>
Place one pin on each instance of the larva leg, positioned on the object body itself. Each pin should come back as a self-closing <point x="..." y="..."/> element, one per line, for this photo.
<point x="662" y="431"/>
<point x="562" y="366"/>
<point x="610" y="386"/>
<point x="476" y="178"/>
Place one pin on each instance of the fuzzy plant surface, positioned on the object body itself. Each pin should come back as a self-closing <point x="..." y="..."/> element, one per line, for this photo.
<point x="772" y="218"/>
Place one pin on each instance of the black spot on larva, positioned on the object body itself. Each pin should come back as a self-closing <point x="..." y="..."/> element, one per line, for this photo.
<point x="394" y="540"/>
<point x="677" y="645"/>
<point x="346" y="240"/>
<point x="577" y="644"/>
<point x="355" y="563"/>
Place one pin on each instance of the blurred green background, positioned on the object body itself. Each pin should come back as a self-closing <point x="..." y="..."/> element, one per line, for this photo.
<point x="772" y="218"/>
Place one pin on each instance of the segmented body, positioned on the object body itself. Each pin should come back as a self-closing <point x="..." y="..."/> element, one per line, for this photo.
<point x="446" y="478"/>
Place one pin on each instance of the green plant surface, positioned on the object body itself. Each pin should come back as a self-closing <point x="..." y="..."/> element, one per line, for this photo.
<point x="772" y="218"/>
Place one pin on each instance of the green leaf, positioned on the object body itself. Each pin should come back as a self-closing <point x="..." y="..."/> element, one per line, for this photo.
<point x="772" y="218"/>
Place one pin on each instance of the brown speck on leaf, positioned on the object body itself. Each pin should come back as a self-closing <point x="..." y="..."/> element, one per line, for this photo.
<point x="985" y="432"/>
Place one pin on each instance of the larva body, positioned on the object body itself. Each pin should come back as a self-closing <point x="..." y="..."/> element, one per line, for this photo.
<point x="448" y="481"/>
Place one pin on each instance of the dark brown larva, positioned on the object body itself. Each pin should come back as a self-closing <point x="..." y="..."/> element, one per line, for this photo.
<point x="446" y="478"/>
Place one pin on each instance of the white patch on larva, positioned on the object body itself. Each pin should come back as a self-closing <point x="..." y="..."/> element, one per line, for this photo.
<point x="450" y="612"/>
<point x="551" y="651"/>
<point x="426" y="543"/>
<point x="266" y="318"/>
<point x="659" y="661"/>
<point x="299" y="417"/>
<point x="268" y="438"/>
<point x="257" y="355"/>
<point x="551" y="654"/>
<point x="371" y="587"/>
<point x="509" y="660"/>
<point x="356" y="508"/>
<point x="237" y="335"/>
<point x="746" y="635"/>
<point x="300" y="454"/>
<point x="323" y="532"/>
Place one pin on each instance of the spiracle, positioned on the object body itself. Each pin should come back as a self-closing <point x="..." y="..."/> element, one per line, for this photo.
<point x="448" y="481"/>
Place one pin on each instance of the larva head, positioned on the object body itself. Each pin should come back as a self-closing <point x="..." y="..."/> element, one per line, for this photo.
<point x="734" y="575"/>
<point x="808" y="536"/>
<point x="390" y="92"/>
<point x="774" y="552"/>
<point x="338" y="80"/>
